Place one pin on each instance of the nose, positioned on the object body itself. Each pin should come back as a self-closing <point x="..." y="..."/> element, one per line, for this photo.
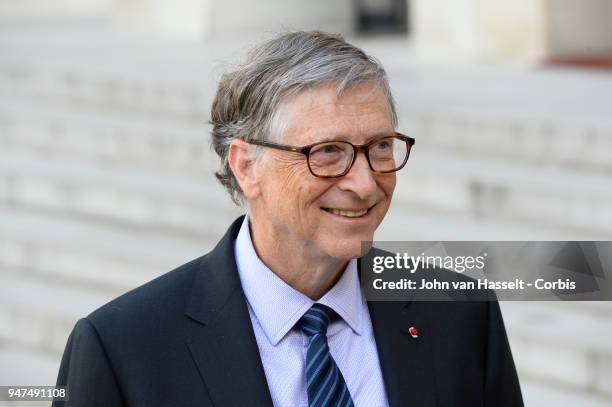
<point x="359" y="179"/>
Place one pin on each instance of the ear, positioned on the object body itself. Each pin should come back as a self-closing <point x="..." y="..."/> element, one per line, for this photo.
<point x="242" y="163"/>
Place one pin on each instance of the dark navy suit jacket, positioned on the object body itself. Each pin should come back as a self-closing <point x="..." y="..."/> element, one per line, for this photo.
<point x="186" y="339"/>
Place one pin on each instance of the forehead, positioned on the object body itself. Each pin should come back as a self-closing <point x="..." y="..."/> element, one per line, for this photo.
<point x="320" y="113"/>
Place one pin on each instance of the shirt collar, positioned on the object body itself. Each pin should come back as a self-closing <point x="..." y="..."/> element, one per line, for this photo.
<point x="278" y="306"/>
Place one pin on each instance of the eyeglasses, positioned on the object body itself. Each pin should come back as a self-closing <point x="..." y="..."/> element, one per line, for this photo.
<point x="331" y="159"/>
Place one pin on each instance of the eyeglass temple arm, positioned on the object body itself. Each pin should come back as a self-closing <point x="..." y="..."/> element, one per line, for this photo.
<point x="406" y="138"/>
<point x="302" y="150"/>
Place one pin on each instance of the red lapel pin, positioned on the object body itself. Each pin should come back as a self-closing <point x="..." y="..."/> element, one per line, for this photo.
<point x="413" y="332"/>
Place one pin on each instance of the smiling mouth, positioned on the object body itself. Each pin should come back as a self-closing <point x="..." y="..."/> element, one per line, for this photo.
<point x="348" y="213"/>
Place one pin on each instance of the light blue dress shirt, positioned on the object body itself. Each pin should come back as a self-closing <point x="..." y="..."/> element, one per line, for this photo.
<point x="275" y="308"/>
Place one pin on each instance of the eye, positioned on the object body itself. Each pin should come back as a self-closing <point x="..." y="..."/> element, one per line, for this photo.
<point x="383" y="145"/>
<point x="330" y="149"/>
<point x="329" y="154"/>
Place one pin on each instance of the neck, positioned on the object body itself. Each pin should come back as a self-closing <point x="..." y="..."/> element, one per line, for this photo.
<point x="310" y="273"/>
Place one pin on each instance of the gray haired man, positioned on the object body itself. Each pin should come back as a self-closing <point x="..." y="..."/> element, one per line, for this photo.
<point x="274" y="315"/>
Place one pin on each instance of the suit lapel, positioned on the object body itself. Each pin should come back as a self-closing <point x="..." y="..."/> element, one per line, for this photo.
<point x="406" y="362"/>
<point x="222" y="342"/>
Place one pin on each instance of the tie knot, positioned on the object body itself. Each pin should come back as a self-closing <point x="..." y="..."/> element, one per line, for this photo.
<point x="316" y="319"/>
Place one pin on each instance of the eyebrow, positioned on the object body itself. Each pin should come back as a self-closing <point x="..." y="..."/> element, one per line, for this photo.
<point x="344" y="137"/>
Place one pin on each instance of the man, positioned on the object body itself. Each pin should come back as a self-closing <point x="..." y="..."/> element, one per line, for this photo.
<point x="274" y="315"/>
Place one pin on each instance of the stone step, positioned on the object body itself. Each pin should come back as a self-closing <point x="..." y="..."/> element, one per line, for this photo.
<point x="560" y="343"/>
<point x="489" y="189"/>
<point x="599" y="308"/>
<point x="135" y="90"/>
<point x="132" y="198"/>
<point x="546" y="116"/>
<point x="38" y="316"/>
<point x="87" y="254"/>
<point x="473" y="133"/>
<point x="542" y="394"/>
<point x="546" y="94"/>
<point x="105" y="140"/>
<point x="406" y="222"/>
<point x="154" y="145"/>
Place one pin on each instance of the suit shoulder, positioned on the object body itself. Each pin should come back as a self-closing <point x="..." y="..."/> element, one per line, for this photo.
<point x="162" y="295"/>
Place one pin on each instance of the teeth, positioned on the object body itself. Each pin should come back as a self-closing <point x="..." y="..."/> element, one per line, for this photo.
<point x="349" y="214"/>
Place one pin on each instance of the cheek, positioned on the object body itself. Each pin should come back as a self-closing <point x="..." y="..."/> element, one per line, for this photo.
<point x="298" y="184"/>
<point x="289" y="171"/>
<point x="387" y="184"/>
<point x="292" y="186"/>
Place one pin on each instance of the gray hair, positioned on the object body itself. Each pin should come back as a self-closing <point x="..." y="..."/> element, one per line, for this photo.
<point x="248" y="99"/>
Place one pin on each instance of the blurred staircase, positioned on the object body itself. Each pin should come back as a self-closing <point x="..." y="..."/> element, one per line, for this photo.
<point x="106" y="182"/>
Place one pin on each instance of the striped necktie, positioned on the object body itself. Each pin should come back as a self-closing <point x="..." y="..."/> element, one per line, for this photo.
<point x="326" y="386"/>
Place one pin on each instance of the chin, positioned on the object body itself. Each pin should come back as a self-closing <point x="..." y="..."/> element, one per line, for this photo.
<point x="345" y="250"/>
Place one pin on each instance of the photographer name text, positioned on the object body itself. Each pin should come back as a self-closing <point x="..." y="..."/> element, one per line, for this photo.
<point x="480" y="284"/>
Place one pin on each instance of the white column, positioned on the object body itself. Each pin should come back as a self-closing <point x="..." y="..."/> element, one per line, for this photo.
<point x="176" y="18"/>
<point x="216" y="19"/>
<point x="41" y="10"/>
<point x="479" y="29"/>
<point x="244" y="17"/>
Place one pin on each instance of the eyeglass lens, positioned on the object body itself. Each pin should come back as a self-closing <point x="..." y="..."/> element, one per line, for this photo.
<point x="334" y="158"/>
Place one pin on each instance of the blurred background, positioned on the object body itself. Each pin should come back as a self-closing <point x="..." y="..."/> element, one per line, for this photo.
<point x="106" y="175"/>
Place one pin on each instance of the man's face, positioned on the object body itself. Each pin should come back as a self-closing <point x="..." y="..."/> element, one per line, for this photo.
<point x="299" y="209"/>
